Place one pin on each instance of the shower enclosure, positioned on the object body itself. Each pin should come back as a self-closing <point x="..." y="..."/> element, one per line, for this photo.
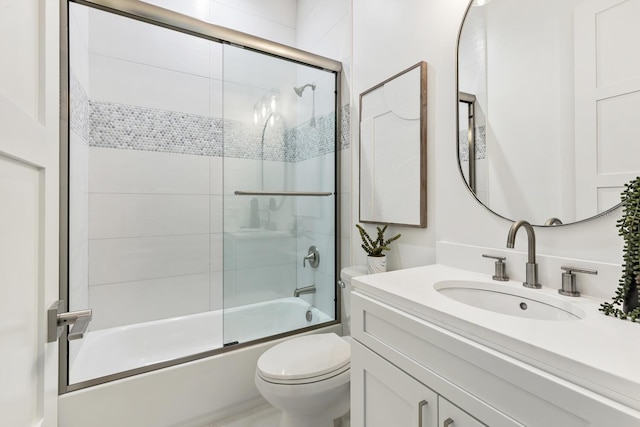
<point x="202" y="172"/>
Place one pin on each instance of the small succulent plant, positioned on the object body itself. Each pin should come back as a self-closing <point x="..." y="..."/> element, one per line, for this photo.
<point x="374" y="247"/>
<point x="629" y="228"/>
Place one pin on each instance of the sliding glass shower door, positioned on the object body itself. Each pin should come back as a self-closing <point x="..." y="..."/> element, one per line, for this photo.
<point x="200" y="174"/>
<point x="279" y="195"/>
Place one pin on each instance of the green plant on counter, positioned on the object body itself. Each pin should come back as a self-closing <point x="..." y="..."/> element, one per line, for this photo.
<point x="375" y="247"/>
<point x="629" y="229"/>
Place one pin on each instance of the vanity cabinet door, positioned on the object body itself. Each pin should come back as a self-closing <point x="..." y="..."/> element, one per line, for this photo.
<point x="382" y="395"/>
<point x="452" y="416"/>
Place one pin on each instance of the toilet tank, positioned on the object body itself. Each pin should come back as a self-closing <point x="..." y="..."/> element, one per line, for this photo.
<point x="346" y="274"/>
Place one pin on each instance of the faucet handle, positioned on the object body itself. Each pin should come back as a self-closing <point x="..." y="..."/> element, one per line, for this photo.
<point x="313" y="256"/>
<point x="500" y="267"/>
<point x="569" y="287"/>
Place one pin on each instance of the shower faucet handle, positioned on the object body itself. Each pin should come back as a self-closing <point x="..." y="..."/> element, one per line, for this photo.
<point x="313" y="256"/>
<point x="500" y="267"/>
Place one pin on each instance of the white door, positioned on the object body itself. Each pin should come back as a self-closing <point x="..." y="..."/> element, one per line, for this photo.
<point x="607" y="95"/>
<point x="29" y="123"/>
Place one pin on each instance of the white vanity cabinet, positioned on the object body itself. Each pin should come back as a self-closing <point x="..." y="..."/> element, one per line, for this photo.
<point x="387" y="396"/>
<point x="404" y="367"/>
<point x="384" y="396"/>
<point x="450" y="415"/>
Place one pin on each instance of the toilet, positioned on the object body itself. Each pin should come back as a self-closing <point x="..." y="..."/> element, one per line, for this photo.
<point x="307" y="378"/>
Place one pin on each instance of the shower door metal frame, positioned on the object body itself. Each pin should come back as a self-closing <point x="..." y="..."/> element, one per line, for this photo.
<point x="158" y="16"/>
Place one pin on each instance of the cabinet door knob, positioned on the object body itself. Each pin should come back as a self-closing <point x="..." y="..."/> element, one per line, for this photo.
<point x="447" y="422"/>
<point x="421" y="406"/>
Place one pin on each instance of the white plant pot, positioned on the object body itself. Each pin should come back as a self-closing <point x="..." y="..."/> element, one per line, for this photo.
<point x="376" y="264"/>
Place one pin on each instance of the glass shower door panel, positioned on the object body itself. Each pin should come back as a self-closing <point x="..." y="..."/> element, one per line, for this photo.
<point x="145" y="193"/>
<point x="279" y="195"/>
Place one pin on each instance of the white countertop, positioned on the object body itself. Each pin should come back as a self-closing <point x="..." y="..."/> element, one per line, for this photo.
<point x="600" y="353"/>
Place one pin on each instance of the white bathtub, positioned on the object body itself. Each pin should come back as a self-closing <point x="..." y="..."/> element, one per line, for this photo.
<point x="108" y="351"/>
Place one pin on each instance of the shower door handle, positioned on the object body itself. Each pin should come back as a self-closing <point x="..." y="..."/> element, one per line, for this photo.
<point x="57" y="319"/>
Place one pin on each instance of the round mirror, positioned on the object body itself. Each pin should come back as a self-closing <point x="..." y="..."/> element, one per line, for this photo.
<point x="548" y="106"/>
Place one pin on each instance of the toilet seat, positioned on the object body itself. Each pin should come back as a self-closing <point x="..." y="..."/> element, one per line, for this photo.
<point x="304" y="360"/>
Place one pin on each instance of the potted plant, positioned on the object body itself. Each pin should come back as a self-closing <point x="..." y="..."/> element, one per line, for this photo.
<point x="376" y="259"/>
<point x="629" y="228"/>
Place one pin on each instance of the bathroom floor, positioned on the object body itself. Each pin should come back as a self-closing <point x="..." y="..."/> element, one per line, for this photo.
<point x="263" y="416"/>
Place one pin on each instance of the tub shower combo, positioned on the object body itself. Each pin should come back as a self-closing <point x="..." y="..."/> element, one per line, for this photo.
<point x="202" y="175"/>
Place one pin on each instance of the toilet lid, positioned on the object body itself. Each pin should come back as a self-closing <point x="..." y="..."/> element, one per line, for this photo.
<point x="305" y="357"/>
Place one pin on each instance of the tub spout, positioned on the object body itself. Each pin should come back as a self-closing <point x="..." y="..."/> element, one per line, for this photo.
<point x="306" y="290"/>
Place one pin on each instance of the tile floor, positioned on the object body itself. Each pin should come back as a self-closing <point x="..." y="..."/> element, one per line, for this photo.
<point x="263" y="416"/>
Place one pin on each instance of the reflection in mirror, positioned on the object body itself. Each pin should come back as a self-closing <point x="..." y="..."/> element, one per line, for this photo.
<point x="468" y="139"/>
<point x="393" y="145"/>
<point x="553" y="114"/>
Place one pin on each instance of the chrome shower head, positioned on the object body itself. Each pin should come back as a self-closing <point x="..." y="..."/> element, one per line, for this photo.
<point x="300" y="89"/>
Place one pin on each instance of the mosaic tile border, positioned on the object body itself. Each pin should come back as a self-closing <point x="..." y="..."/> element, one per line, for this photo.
<point x="481" y="144"/>
<point x="79" y="117"/>
<point x="130" y="127"/>
<point x="345" y="122"/>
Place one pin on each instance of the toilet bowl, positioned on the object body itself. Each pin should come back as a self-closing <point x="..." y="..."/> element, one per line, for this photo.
<point x="307" y="378"/>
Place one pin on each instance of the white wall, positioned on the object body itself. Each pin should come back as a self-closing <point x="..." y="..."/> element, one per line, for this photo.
<point x="391" y="35"/>
<point x="273" y="19"/>
<point x="388" y="37"/>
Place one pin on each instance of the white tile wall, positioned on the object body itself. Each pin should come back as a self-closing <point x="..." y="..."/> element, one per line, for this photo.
<point x="198" y="9"/>
<point x="324" y="26"/>
<point x="79" y="43"/>
<point x="78" y="223"/>
<point x="249" y="285"/>
<point x="133" y="302"/>
<point x="216" y="292"/>
<point x="145" y="172"/>
<point x="262" y="21"/>
<point x="114" y="215"/>
<point x="148" y="44"/>
<point x="151" y="243"/>
<point x="127" y="259"/>
<point x="279" y="11"/>
<point x="125" y="82"/>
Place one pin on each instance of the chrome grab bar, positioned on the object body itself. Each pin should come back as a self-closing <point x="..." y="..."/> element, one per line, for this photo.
<point x="283" y="193"/>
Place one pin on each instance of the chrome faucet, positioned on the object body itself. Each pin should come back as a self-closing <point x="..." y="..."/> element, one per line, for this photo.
<point x="531" y="280"/>
<point x="306" y="290"/>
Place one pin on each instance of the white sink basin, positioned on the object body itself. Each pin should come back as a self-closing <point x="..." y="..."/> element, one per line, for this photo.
<point x="506" y="299"/>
